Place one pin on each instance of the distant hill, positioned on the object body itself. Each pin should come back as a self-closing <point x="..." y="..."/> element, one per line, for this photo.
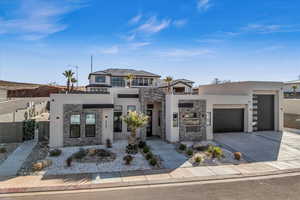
<point x="9" y="85"/>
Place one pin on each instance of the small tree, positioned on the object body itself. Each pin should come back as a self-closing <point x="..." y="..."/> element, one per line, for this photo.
<point x="134" y="120"/>
<point x="295" y="87"/>
<point x="129" y="78"/>
<point x="168" y="80"/>
<point x="73" y="81"/>
<point x="69" y="75"/>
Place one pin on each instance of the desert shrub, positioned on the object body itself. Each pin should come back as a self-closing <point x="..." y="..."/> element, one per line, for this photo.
<point x="198" y="159"/>
<point x="146" y="149"/>
<point x="215" y="152"/>
<point x="3" y="150"/>
<point x="128" y="159"/>
<point x="80" y="154"/>
<point x="55" y="152"/>
<point x="69" y="161"/>
<point x="237" y="155"/>
<point x="182" y="147"/>
<point x="132" y="148"/>
<point x="92" y="152"/>
<point x="39" y="165"/>
<point x="142" y="144"/>
<point x="108" y="143"/>
<point x="149" y="156"/>
<point x="28" y="129"/>
<point x="103" y="153"/>
<point x="189" y="152"/>
<point x="153" y="161"/>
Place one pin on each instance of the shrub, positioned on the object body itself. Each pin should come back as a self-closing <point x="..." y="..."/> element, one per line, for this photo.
<point x="153" y="161"/>
<point x="103" y="153"/>
<point x="69" y="161"/>
<point x="202" y="148"/>
<point x="189" y="152"/>
<point x="108" y="143"/>
<point x="149" y="156"/>
<point x="128" y="159"/>
<point x="92" y="152"/>
<point x="28" y="129"/>
<point x="198" y="159"/>
<point x="38" y="166"/>
<point x="146" y="149"/>
<point x="55" y="152"/>
<point x="142" y="144"/>
<point x="215" y="152"/>
<point x="80" y="154"/>
<point x="132" y="148"/>
<point x="182" y="147"/>
<point x="3" y="150"/>
<point x="237" y="155"/>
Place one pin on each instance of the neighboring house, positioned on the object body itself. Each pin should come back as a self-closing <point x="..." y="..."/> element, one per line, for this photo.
<point x="3" y="94"/>
<point x="289" y="87"/>
<point x="178" y="86"/>
<point x="94" y="116"/>
<point x="40" y="91"/>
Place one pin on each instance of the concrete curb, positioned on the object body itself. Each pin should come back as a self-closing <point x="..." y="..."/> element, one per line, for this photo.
<point x="143" y="183"/>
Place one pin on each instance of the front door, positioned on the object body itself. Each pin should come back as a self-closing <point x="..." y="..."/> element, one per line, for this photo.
<point x="149" y="125"/>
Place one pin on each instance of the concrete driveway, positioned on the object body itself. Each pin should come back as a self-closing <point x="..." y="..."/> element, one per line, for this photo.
<point x="262" y="146"/>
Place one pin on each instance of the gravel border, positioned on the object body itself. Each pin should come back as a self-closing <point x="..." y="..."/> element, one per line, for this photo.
<point x="10" y="147"/>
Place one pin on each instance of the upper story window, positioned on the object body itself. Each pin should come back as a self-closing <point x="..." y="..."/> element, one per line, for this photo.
<point x="142" y="82"/>
<point x="100" y="79"/>
<point x="118" y="81"/>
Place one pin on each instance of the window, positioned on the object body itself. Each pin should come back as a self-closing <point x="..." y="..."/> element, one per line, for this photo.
<point x="159" y="118"/>
<point x="117" y="118"/>
<point x="90" y="125"/>
<point x="118" y="81"/>
<point x="100" y="79"/>
<point x="75" y="126"/>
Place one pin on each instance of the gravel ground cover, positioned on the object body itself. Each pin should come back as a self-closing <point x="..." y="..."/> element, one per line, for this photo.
<point x="59" y="163"/>
<point x="10" y="147"/>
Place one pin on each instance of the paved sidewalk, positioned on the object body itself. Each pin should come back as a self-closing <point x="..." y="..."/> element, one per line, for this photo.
<point x="149" y="177"/>
<point x="15" y="160"/>
<point x="171" y="158"/>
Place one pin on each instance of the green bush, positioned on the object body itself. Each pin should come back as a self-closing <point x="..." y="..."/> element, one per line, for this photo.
<point x="215" y="152"/>
<point x="128" y="159"/>
<point x="132" y="149"/>
<point x="3" y="150"/>
<point x="149" y="156"/>
<point x="182" y="147"/>
<point x="198" y="159"/>
<point x="142" y="144"/>
<point x="189" y="152"/>
<point x="202" y="148"/>
<point x="55" y="152"/>
<point x="146" y="149"/>
<point x="80" y="154"/>
<point x="28" y="129"/>
<point x="153" y="162"/>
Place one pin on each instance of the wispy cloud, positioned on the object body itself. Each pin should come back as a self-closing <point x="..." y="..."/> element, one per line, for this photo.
<point x="203" y="5"/>
<point x="110" y="50"/>
<point x="270" y="28"/>
<point x="271" y="48"/>
<point x="181" y="53"/>
<point x="179" y="23"/>
<point x="137" y="45"/>
<point x="36" y="19"/>
<point x="153" y="25"/>
<point x="135" y="19"/>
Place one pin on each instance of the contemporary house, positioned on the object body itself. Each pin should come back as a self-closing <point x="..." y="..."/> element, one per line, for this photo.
<point x="178" y="114"/>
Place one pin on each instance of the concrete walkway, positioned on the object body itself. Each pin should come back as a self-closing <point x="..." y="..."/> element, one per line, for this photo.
<point x="15" y="160"/>
<point x="171" y="158"/>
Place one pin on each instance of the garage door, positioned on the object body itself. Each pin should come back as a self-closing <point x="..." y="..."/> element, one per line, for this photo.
<point x="228" y="120"/>
<point x="265" y="112"/>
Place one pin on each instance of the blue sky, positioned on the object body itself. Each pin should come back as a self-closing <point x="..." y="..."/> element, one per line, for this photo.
<point x="194" y="39"/>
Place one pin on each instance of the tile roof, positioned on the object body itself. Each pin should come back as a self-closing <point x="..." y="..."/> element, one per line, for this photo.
<point x="125" y="72"/>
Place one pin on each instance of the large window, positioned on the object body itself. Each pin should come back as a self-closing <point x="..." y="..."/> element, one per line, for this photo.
<point x="90" y="125"/>
<point x="100" y="79"/>
<point x="118" y="81"/>
<point x="75" y="126"/>
<point x="142" y="82"/>
<point x="117" y="118"/>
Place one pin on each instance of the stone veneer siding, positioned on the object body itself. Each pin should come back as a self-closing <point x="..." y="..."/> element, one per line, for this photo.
<point x="71" y="109"/>
<point x="152" y="95"/>
<point x="199" y="107"/>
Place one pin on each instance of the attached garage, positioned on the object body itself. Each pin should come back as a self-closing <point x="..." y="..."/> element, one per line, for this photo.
<point x="228" y="120"/>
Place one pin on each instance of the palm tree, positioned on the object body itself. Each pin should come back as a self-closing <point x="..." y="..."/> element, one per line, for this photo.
<point x="294" y="87"/>
<point x="168" y="80"/>
<point x="73" y="81"/>
<point x="69" y="75"/>
<point x="129" y="78"/>
<point x="134" y="120"/>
